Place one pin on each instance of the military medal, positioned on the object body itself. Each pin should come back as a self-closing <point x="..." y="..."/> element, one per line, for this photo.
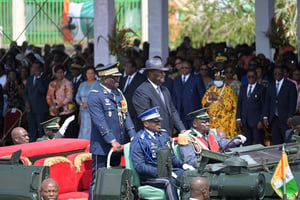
<point x="107" y="102"/>
<point x="109" y="114"/>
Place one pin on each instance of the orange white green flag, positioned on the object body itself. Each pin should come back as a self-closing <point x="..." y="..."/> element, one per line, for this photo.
<point x="283" y="181"/>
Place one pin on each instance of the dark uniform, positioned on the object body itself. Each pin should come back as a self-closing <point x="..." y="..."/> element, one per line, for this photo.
<point x="144" y="149"/>
<point x="110" y="120"/>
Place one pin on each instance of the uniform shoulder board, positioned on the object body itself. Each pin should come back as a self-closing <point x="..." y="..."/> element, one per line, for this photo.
<point x="163" y="130"/>
<point x="142" y="136"/>
<point x="94" y="91"/>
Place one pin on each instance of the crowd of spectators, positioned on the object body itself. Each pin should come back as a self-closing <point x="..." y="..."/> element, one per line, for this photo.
<point x="48" y="82"/>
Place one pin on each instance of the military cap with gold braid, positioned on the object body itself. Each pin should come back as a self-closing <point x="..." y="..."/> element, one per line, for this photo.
<point x="108" y="70"/>
<point x="51" y="123"/>
<point x="199" y="114"/>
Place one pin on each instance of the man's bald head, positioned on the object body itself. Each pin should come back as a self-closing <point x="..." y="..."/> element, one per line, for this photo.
<point x="49" y="189"/>
<point x="19" y="135"/>
<point x="199" y="188"/>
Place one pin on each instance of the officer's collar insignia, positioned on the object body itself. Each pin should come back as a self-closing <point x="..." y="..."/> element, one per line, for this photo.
<point x="142" y="136"/>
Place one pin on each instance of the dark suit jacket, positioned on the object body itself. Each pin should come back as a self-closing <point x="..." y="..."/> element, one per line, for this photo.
<point x="76" y="86"/>
<point x="250" y="109"/>
<point x="287" y="100"/>
<point x="188" y="98"/>
<point x="146" y="97"/>
<point x="128" y="93"/>
<point x="36" y="94"/>
<point x="1" y="103"/>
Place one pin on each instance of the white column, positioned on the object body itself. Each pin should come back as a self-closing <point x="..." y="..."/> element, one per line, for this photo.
<point x="144" y="16"/>
<point x="298" y="20"/>
<point x="1" y="36"/>
<point x="264" y="12"/>
<point x="158" y="28"/>
<point x="104" y="14"/>
<point x="18" y="21"/>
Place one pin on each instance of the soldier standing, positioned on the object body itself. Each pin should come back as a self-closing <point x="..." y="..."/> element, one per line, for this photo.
<point x="110" y="118"/>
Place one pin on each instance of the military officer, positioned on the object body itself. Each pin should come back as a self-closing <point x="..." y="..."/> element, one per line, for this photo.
<point x="109" y="116"/>
<point x="144" y="149"/>
<point x="53" y="130"/>
<point x="200" y="136"/>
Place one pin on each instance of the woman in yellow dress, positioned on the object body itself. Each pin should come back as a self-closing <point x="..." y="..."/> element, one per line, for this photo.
<point x="222" y="102"/>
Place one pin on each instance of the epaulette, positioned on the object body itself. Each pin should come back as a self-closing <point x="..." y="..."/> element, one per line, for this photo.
<point x="142" y="136"/>
<point x="94" y="91"/>
<point x="163" y="130"/>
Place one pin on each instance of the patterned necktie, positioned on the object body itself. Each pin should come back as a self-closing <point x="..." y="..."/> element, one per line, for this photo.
<point x="249" y="91"/>
<point x="160" y="93"/>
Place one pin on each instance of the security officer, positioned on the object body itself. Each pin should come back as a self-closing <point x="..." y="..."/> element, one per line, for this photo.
<point x="144" y="149"/>
<point x="200" y="136"/>
<point x="109" y="116"/>
<point x="53" y="130"/>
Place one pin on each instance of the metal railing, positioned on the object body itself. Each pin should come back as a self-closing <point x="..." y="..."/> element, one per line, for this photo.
<point x="43" y="19"/>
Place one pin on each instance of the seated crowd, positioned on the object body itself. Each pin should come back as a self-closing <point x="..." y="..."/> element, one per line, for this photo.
<point x="206" y="95"/>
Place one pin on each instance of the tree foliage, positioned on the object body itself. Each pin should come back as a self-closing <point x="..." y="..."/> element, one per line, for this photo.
<point x="231" y="21"/>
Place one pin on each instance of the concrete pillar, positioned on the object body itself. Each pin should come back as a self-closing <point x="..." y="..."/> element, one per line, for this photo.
<point x="264" y="12"/>
<point x="1" y="36"/>
<point x="18" y="21"/>
<point x="298" y="21"/>
<point x="158" y="28"/>
<point x="144" y="16"/>
<point x="104" y="14"/>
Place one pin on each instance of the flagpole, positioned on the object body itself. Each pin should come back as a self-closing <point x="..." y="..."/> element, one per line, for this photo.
<point x="284" y="178"/>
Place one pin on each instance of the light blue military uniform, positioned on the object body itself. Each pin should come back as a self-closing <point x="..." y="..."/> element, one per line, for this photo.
<point x="144" y="149"/>
<point x="110" y="120"/>
<point x="108" y="123"/>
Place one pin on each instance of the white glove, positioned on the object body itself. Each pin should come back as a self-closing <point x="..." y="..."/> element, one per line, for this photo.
<point x="243" y="138"/>
<point x="65" y="125"/>
<point x="187" y="167"/>
<point x="174" y="175"/>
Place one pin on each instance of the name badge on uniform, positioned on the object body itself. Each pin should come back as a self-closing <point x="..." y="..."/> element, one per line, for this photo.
<point x="107" y="102"/>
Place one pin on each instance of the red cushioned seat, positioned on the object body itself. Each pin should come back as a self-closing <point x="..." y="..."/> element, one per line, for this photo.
<point x="74" y="196"/>
<point x="46" y="147"/>
<point x="82" y="163"/>
<point x="61" y="170"/>
<point x="23" y="160"/>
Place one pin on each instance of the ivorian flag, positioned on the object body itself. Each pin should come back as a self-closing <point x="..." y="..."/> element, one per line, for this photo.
<point x="77" y="20"/>
<point x="282" y="172"/>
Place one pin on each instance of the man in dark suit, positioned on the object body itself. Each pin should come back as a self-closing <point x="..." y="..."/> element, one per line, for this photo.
<point x="77" y="76"/>
<point x="151" y="93"/>
<point x="128" y="85"/>
<point x="187" y="93"/>
<point x="250" y="108"/>
<point x="36" y="106"/>
<point x="280" y="105"/>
